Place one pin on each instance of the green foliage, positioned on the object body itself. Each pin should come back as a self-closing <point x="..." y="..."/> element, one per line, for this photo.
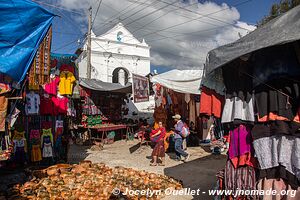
<point x="278" y="9"/>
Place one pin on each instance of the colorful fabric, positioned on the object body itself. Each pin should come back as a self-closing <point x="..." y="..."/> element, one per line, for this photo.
<point x="47" y="106"/>
<point x="60" y="105"/>
<point x="211" y="102"/>
<point x="47" y="136"/>
<point x="51" y="88"/>
<point x="32" y="103"/>
<point x="242" y="178"/>
<point x="240" y="141"/>
<point x="159" y="149"/>
<point x="47" y="150"/>
<point x="67" y="68"/>
<point x="279" y="150"/>
<point x="35" y="137"/>
<point x="36" y="154"/>
<point x="67" y="80"/>
<point x="4" y="88"/>
<point x="161" y="135"/>
<point x="3" y="112"/>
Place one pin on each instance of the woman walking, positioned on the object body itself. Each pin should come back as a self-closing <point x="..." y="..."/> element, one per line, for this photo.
<point x="158" y="152"/>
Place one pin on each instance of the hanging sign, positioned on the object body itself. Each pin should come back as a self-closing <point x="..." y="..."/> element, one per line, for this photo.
<point x="140" y="88"/>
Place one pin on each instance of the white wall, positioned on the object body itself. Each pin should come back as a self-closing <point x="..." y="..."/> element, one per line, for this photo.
<point x="108" y="54"/>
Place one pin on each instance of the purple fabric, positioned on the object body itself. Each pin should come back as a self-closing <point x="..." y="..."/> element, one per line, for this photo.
<point x="240" y="141"/>
<point x="20" y="155"/>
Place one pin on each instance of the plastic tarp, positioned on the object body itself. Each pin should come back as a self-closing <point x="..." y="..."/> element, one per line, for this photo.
<point x="281" y="30"/>
<point x="23" y="26"/>
<point x="101" y="86"/>
<point x="183" y="81"/>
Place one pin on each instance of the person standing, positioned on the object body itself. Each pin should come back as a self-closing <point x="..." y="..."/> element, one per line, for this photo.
<point x="158" y="152"/>
<point x="179" y="139"/>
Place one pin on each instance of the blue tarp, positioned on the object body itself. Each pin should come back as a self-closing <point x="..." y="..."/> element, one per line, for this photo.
<point x="23" y="26"/>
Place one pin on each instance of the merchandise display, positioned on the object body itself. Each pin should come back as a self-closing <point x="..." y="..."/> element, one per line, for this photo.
<point x="91" y="181"/>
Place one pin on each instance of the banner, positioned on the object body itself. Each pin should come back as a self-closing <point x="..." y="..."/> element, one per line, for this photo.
<point x="140" y="88"/>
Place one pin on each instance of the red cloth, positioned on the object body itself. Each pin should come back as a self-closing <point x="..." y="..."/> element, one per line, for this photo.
<point x="51" y="88"/>
<point x="68" y="68"/>
<point x="211" y="102"/>
<point x="161" y="135"/>
<point x="46" y="125"/>
<point x="60" y="105"/>
<point x="46" y="106"/>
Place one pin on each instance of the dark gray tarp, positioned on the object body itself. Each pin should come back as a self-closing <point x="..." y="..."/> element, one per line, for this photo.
<point x="281" y="30"/>
<point x="101" y="86"/>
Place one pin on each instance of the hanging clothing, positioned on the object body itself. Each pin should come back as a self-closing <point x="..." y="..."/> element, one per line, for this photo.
<point x="20" y="149"/>
<point x="35" y="140"/>
<point x="187" y="98"/>
<point x="36" y="154"/>
<point x="3" y="112"/>
<point x="192" y="111"/>
<point x="240" y="147"/>
<point x="47" y="143"/>
<point x="241" y="178"/>
<point x="59" y="125"/>
<point x="240" y="141"/>
<point x="236" y="109"/>
<point x="280" y="103"/>
<point x="60" y="105"/>
<point x="211" y="103"/>
<point x="238" y="81"/>
<point x="66" y="83"/>
<point x="279" y="150"/>
<point x="47" y="106"/>
<point x="32" y="103"/>
<point x="51" y="88"/>
<point x="207" y="125"/>
<point x="273" y="128"/>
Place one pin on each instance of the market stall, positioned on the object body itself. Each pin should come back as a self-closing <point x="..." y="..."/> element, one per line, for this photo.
<point x="16" y="61"/>
<point x="260" y="74"/>
<point x="177" y="92"/>
<point x="101" y="107"/>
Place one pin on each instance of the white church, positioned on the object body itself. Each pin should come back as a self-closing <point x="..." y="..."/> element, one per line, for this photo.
<point x="115" y="56"/>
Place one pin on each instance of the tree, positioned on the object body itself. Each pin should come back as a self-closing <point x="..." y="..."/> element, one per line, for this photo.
<point x="278" y="9"/>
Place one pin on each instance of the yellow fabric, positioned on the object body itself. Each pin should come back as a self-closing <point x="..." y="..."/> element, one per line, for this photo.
<point x="69" y="83"/>
<point x="66" y="82"/>
<point x="47" y="132"/>
<point x="166" y="143"/>
<point x="62" y="82"/>
<point x="36" y="154"/>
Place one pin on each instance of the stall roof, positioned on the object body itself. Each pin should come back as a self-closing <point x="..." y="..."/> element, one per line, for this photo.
<point x="23" y="26"/>
<point x="101" y="86"/>
<point x="183" y="81"/>
<point x="281" y="30"/>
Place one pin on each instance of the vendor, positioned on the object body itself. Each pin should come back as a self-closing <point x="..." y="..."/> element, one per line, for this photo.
<point x="158" y="136"/>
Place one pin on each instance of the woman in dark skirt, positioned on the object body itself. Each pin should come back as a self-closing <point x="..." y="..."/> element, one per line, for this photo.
<point x="158" y="136"/>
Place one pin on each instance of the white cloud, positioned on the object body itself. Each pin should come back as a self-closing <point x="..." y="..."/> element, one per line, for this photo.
<point x="183" y="46"/>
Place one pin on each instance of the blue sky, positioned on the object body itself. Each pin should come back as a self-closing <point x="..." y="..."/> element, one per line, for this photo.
<point x="66" y="30"/>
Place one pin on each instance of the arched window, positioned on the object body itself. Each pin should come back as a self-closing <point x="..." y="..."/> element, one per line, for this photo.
<point x="120" y="75"/>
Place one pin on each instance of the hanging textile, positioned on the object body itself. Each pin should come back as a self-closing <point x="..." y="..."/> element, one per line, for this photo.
<point x="40" y="68"/>
<point x="210" y="102"/>
<point x="3" y="112"/>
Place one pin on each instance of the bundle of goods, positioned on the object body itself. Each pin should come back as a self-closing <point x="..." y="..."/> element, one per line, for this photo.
<point x="90" y="181"/>
<point x="5" y="155"/>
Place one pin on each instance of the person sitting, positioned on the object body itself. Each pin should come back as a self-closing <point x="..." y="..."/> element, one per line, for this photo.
<point x="158" y="136"/>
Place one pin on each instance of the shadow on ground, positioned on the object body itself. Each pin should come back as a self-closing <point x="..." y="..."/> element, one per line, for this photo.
<point x="198" y="174"/>
<point x="77" y="153"/>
